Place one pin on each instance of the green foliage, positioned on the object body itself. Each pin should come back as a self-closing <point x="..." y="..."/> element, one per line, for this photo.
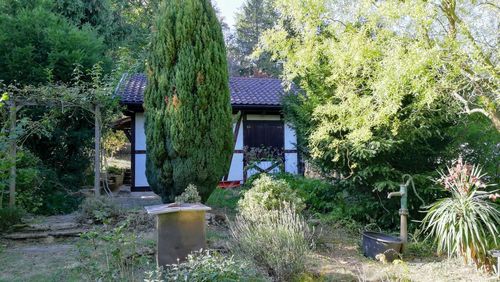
<point x="38" y="187"/>
<point x="354" y="200"/>
<point x="269" y="194"/>
<point x="114" y="141"/>
<point x="99" y="210"/>
<point x="204" y="266"/>
<point x="188" y="111"/>
<point x="376" y="100"/>
<point x="112" y="255"/>
<point x="277" y="240"/>
<point x="362" y="106"/>
<point x="190" y="195"/>
<point x="225" y="198"/>
<point x="10" y="217"/>
<point x="466" y="223"/>
<point x="476" y="140"/>
<point x="38" y="44"/>
<point x="254" y="17"/>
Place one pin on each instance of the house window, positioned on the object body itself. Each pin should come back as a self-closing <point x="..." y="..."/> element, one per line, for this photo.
<point x="264" y="134"/>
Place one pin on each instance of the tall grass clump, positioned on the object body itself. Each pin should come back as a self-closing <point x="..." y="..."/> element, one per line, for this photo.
<point x="466" y="224"/>
<point x="277" y="240"/>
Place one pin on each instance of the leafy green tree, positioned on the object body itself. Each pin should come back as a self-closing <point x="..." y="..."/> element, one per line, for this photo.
<point x="187" y="104"/>
<point x="370" y="92"/>
<point x="123" y="24"/>
<point x="378" y="78"/>
<point x="380" y="83"/>
<point x="37" y="44"/>
<point x="254" y="18"/>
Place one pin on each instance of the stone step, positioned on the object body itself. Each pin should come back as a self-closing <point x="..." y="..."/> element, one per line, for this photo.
<point x="50" y="226"/>
<point x="44" y="234"/>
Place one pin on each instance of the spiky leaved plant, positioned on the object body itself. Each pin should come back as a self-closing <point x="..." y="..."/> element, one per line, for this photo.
<point x="467" y="223"/>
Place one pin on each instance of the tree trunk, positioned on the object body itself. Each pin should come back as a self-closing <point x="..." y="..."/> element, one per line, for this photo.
<point x="12" y="153"/>
<point x="97" y="151"/>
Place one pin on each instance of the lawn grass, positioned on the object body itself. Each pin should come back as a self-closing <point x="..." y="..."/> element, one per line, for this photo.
<point x="225" y="199"/>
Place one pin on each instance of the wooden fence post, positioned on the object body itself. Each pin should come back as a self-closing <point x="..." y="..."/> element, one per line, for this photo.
<point x="12" y="152"/>
<point x="97" y="151"/>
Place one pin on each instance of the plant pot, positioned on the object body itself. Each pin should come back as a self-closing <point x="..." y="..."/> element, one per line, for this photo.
<point x="375" y="243"/>
<point x="180" y="231"/>
<point x="117" y="181"/>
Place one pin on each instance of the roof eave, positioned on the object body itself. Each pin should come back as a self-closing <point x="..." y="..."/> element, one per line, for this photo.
<point x="137" y="107"/>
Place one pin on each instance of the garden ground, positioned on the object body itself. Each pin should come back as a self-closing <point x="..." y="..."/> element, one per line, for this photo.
<point x="337" y="255"/>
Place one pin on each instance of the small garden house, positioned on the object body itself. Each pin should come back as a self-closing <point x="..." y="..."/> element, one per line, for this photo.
<point x="263" y="142"/>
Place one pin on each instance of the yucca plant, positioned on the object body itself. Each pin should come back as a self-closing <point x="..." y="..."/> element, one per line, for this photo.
<point x="467" y="223"/>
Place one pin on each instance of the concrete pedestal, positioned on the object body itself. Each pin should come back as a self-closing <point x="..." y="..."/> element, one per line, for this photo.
<point x="180" y="231"/>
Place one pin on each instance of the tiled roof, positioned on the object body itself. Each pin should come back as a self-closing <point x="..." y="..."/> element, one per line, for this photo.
<point x="245" y="91"/>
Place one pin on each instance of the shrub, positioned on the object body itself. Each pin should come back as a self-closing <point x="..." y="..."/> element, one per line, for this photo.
<point x="205" y="266"/>
<point x="190" y="195"/>
<point x="465" y="224"/>
<point x="319" y="195"/>
<point x="269" y="194"/>
<point x="278" y="240"/>
<point x="10" y="217"/>
<point x="100" y="209"/>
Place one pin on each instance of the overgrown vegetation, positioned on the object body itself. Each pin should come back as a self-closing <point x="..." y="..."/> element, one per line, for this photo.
<point x="268" y="194"/>
<point x="278" y="240"/>
<point x="110" y="255"/>
<point x="9" y="217"/>
<point x="270" y="229"/>
<point x="466" y="224"/>
<point x="203" y="266"/>
<point x="99" y="210"/>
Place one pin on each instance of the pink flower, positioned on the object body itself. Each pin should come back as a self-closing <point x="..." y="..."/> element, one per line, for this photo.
<point x="494" y="197"/>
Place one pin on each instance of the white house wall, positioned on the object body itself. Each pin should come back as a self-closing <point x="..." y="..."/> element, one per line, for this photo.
<point x="140" y="136"/>
<point x="290" y="138"/>
<point x="236" y="171"/>
<point x="140" y="171"/>
<point x="236" y="168"/>
<point x="291" y="156"/>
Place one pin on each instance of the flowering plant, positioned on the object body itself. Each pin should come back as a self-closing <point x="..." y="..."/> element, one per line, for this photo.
<point x="465" y="179"/>
<point x="467" y="223"/>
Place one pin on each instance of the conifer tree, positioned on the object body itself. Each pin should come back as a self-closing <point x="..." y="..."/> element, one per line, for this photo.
<point x="187" y="102"/>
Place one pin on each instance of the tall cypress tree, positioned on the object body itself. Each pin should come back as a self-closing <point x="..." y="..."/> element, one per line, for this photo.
<point x="187" y="102"/>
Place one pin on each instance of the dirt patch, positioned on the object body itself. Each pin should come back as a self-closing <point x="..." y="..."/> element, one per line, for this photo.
<point x="338" y="258"/>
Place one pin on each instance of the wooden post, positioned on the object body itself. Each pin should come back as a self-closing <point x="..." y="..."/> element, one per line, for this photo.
<point x="12" y="152"/>
<point x="97" y="151"/>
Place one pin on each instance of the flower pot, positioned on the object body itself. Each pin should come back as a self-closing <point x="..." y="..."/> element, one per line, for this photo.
<point x="180" y="230"/>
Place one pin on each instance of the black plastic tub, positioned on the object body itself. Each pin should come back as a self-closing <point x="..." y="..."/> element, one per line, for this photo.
<point x="375" y="243"/>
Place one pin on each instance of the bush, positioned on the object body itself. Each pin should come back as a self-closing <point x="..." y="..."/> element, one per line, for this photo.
<point x="319" y="195"/>
<point x="205" y="266"/>
<point x="190" y="195"/>
<point x="278" y="240"/>
<point x="354" y="200"/>
<point x="467" y="223"/>
<point x="10" y="217"/>
<point x="269" y="194"/>
<point x="100" y="209"/>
